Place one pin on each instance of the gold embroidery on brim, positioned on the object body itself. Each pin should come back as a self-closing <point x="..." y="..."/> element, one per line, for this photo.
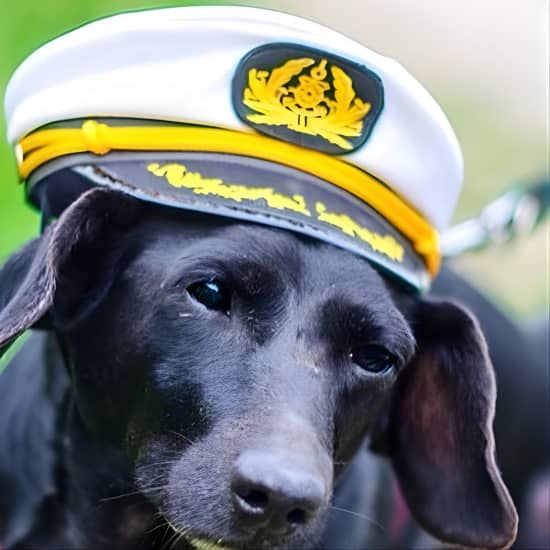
<point x="385" y="244"/>
<point x="177" y="175"/>
<point x="307" y="108"/>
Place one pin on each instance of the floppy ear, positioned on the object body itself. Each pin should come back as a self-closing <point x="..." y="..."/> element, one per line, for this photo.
<point x="440" y="435"/>
<point x="65" y="272"/>
<point x="54" y="280"/>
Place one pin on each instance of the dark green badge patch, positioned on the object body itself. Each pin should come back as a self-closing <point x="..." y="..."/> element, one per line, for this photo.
<point x="307" y="97"/>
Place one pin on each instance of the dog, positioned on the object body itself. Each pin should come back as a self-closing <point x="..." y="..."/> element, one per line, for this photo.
<point x="209" y="384"/>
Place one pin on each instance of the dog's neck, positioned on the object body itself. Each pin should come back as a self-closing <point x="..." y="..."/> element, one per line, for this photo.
<point x="78" y="482"/>
<point x="99" y="491"/>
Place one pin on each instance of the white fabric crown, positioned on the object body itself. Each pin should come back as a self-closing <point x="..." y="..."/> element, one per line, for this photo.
<point x="178" y="64"/>
<point x="257" y="72"/>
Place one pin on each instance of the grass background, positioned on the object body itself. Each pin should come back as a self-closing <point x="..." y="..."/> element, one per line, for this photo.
<point x="24" y="26"/>
<point x="502" y="145"/>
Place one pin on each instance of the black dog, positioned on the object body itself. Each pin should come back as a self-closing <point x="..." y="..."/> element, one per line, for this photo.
<point x="220" y="377"/>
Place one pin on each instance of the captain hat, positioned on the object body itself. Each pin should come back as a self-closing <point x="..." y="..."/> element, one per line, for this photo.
<point x="244" y="113"/>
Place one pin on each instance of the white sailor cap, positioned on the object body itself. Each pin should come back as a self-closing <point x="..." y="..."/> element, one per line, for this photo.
<point x="244" y="113"/>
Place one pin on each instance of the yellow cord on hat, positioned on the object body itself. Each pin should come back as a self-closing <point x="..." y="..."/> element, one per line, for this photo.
<point x="43" y="146"/>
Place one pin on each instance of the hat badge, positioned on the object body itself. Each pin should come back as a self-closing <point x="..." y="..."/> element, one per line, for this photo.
<point x="315" y="106"/>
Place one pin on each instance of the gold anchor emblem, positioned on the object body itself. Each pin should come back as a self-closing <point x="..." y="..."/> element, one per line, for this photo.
<point x="313" y="107"/>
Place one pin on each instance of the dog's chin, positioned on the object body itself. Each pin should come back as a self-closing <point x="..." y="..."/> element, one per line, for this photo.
<point x="201" y="543"/>
<point x="205" y="544"/>
<point x="185" y="539"/>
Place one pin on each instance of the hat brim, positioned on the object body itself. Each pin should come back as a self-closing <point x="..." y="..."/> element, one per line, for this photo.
<point x="238" y="187"/>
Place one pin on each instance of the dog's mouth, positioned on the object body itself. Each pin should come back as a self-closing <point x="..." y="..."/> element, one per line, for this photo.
<point x="204" y="544"/>
<point x="201" y="543"/>
<point x="194" y="541"/>
<point x="198" y="542"/>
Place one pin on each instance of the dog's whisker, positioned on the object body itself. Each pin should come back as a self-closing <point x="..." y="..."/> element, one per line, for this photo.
<point x="157" y="527"/>
<point x="174" y="539"/>
<point x="182" y="535"/>
<point x="155" y="471"/>
<point x="160" y="463"/>
<point x="184" y="437"/>
<point x="155" y="488"/>
<point x="155" y="477"/>
<point x="358" y="515"/>
<point x="173" y="536"/>
<point x="166" y="545"/>
<point x="123" y="495"/>
<point x="138" y="492"/>
<point x="159" y="515"/>
<point x="177" y="532"/>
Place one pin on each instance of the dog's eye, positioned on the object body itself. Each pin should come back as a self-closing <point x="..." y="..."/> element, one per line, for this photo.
<point x="212" y="294"/>
<point x="373" y="358"/>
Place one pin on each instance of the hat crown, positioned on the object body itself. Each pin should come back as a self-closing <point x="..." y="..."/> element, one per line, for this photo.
<point x="178" y="64"/>
<point x="332" y="108"/>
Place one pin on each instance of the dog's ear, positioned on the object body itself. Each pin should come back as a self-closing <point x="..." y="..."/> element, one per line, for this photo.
<point x="439" y="432"/>
<point x="65" y="272"/>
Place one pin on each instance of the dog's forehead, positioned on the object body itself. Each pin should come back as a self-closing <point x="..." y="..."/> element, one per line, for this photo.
<point x="296" y="259"/>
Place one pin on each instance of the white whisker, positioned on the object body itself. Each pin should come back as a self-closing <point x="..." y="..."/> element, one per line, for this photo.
<point x="358" y="515"/>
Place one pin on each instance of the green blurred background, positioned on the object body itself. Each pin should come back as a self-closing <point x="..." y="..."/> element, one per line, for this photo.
<point x="485" y="62"/>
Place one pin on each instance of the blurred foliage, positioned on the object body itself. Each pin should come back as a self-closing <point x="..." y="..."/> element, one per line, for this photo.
<point x="499" y="156"/>
<point x="496" y="157"/>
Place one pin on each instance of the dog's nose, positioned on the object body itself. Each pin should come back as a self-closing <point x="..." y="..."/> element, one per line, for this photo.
<point x="273" y="493"/>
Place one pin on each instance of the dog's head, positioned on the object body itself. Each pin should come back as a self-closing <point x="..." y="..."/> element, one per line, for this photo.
<point x="238" y="367"/>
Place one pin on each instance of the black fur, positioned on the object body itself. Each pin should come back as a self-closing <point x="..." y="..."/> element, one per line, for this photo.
<point x="164" y="397"/>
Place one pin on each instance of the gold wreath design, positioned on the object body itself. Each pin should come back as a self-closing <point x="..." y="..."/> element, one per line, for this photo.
<point x="307" y="108"/>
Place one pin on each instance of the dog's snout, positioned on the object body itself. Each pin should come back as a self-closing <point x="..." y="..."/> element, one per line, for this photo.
<point x="273" y="493"/>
